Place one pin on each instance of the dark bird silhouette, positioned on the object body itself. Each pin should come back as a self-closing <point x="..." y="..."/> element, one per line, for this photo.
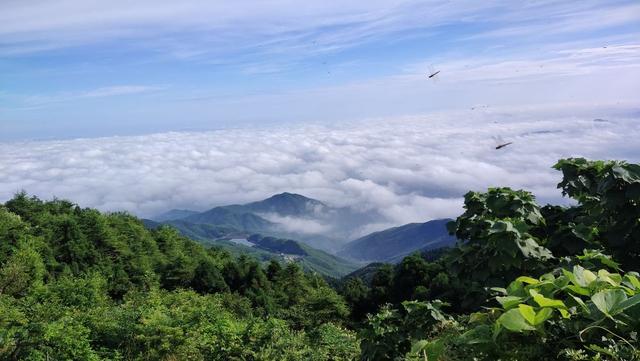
<point x="503" y="145"/>
<point x="434" y="74"/>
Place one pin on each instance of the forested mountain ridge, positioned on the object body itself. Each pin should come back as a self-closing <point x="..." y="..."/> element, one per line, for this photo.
<point x="198" y="231"/>
<point x="235" y="220"/>
<point x="241" y="221"/>
<point x="228" y="217"/>
<point x="264" y="248"/>
<point x="285" y="204"/>
<point x="173" y="214"/>
<point x="394" y="243"/>
<point x="284" y="215"/>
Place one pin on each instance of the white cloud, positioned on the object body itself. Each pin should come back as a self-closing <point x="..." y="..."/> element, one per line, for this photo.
<point x="199" y="29"/>
<point x="587" y="74"/>
<point x="102" y="92"/>
<point x="410" y="169"/>
<point x="282" y="25"/>
<point x="298" y="225"/>
<point x="563" y="17"/>
<point x="538" y="68"/>
<point x="118" y="90"/>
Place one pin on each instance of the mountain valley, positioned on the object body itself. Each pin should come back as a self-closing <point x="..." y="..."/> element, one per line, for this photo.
<point x="292" y="227"/>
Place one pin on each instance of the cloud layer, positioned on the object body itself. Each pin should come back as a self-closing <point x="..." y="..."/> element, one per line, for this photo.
<point x="197" y="29"/>
<point x="410" y="169"/>
<point x="156" y="66"/>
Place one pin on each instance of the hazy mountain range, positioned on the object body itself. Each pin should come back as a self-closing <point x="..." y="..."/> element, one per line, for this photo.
<point x="284" y="215"/>
<point x="393" y="244"/>
<point x="293" y="227"/>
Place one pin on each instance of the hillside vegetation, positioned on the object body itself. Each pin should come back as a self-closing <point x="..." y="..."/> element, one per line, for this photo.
<point x="76" y="284"/>
<point x="394" y="243"/>
<point x="524" y="282"/>
<point x="263" y="248"/>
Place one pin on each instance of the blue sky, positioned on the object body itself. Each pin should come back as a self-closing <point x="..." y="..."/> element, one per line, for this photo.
<point x="78" y="68"/>
<point x="149" y="105"/>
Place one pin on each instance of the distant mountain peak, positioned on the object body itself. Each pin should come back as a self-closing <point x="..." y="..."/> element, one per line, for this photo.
<point x="174" y="214"/>
<point x="290" y="196"/>
<point x="287" y="194"/>
<point x="285" y="215"/>
<point x="287" y="204"/>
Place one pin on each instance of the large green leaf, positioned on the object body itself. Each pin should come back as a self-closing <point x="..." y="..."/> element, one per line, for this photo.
<point x="589" y="276"/>
<point x="613" y="279"/>
<point x="628" y="173"/>
<point x="501" y="227"/>
<point x="531" y="249"/>
<point x="543" y="301"/>
<point x="628" y="303"/>
<point x="584" y="232"/>
<point x="542" y="316"/>
<point x="608" y="300"/>
<point x="633" y="280"/>
<point x="572" y="277"/>
<point x="581" y="303"/>
<point x="509" y="302"/>
<point x="477" y="335"/>
<point x="513" y="320"/>
<point x="590" y="255"/>
<point x="529" y="280"/>
<point x="533" y="317"/>
<point x="528" y="313"/>
<point x="582" y="277"/>
<point x="579" y="290"/>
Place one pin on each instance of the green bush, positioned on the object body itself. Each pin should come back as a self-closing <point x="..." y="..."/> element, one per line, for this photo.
<point x="574" y="303"/>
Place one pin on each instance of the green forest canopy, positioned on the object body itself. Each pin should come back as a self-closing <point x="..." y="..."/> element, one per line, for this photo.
<point x="525" y="282"/>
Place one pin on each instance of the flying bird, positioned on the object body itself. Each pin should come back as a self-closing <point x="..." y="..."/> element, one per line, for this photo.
<point x="500" y="143"/>
<point x="432" y="74"/>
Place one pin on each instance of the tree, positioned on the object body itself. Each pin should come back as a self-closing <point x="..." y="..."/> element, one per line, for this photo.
<point x="357" y="296"/>
<point x="23" y="270"/>
<point x="608" y="211"/>
<point x="381" y="285"/>
<point x="412" y="272"/>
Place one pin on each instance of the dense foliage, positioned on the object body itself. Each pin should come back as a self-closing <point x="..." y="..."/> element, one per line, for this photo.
<point x="76" y="284"/>
<point x="524" y="282"/>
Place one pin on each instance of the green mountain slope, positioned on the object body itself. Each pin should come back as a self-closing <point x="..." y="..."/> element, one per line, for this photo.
<point x="365" y="273"/>
<point x="325" y="263"/>
<point x="286" y="250"/>
<point x="232" y="218"/>
<point x="278" y="245"/>
<point x="265" y="247"/>
<point x="173" y="215"/>
<point x="392" y="244"/>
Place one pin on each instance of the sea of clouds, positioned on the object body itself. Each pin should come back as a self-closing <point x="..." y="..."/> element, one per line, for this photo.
<point x="408" y="169"/>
